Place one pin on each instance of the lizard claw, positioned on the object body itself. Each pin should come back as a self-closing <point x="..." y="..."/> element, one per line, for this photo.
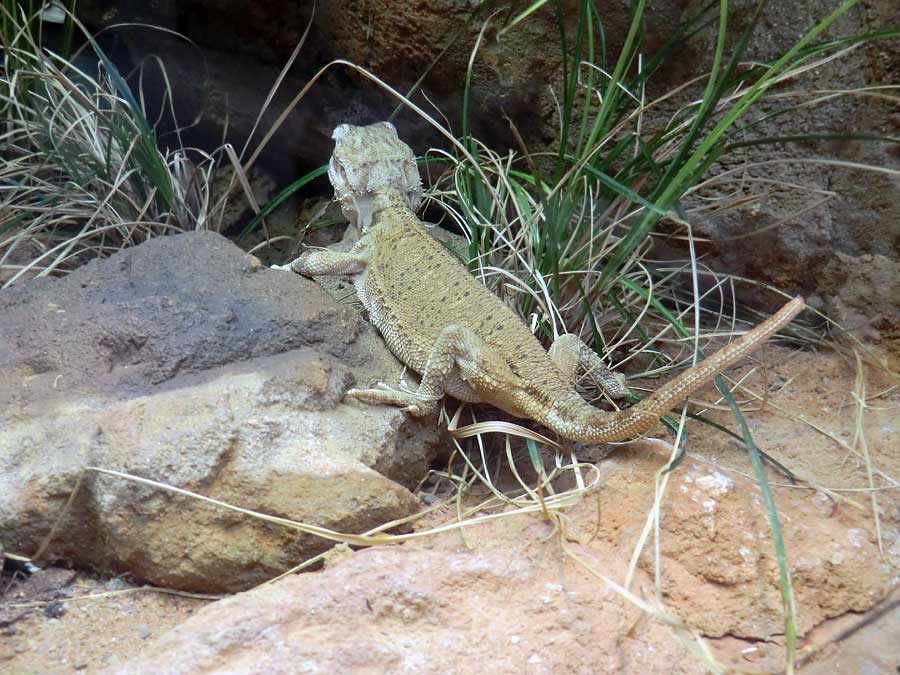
<point x="383" y="393"/>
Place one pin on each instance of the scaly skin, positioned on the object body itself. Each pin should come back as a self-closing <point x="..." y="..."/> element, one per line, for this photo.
<point x="464" y="341"/>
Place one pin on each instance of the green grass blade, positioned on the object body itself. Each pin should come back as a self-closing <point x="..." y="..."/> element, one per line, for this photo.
<point x="784" y="573"/>
<point x="623" y="191"/>
<point x="612" y="92"/>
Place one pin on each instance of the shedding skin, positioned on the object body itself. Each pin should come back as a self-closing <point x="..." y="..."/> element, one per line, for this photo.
<point x="461" y="338"/>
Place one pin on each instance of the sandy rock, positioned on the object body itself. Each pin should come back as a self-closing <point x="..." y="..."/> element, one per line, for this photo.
<point x="861" y="288"/>
<point x="510" y="601"/>
<point x="717" y="552"/>
<point x="184" y="361"/>
<point x="411" y="610"/>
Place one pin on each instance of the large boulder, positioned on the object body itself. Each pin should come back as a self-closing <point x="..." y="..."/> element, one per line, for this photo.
<point x="507" y="598"/>
<point x="183" y="360"/>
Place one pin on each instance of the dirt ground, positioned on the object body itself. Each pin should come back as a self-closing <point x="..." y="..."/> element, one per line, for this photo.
<point x="49" y="623"/>
<point x="65" y="630"/>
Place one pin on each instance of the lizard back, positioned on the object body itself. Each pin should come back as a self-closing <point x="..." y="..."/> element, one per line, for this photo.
<point x="414" y="288"/>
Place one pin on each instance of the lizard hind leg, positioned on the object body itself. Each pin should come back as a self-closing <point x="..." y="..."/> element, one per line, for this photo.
<point x="569" y="353"/>
<point x="454" y="352"/>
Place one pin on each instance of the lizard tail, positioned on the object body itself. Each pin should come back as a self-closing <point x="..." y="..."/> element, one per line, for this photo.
<point x="606" y="427"/>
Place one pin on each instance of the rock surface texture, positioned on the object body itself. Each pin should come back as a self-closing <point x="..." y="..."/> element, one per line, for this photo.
<point x="183" y="360"/>
<point x="505" y="596"/>
<point x="508" y="599"/>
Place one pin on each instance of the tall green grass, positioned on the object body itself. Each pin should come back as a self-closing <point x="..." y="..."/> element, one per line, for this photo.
<point x="19" y="18"/>
<point x="637" y="177"/>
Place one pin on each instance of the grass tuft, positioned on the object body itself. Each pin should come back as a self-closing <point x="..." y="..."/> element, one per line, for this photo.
<point x="83" y="175"/>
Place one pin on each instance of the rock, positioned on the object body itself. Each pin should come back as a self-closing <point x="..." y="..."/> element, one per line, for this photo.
<point x="226" y="71"/>
<point x="55" y="609"/>
<point x="411" y="610"/>
<point x="427" y="607"/>
<point x="864" y="291"/>
<point x="184" y="361"/>
<point x="717" y="553"/>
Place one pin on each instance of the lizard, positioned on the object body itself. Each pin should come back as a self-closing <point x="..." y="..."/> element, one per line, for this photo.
<point x="461" y="339"/>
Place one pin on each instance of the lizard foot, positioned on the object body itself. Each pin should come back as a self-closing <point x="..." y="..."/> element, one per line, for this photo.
<point x="382" y="393"/>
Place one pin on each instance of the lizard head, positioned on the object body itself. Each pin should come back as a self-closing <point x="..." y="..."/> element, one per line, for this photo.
<point x="367" y="161"/>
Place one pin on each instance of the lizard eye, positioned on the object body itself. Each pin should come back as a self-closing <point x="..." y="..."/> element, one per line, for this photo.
<point x="336" y="174"/>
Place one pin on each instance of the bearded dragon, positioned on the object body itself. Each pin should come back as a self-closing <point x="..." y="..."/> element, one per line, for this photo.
<point x="461" y="338"/>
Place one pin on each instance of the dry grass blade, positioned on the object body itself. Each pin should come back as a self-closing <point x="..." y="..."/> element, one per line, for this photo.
<point x="378" y="539"/>
<point x="500" y="427"/>
<point x="112" y="594"/>
<point x="859" y="441"/>
<point x="83" y="176"/>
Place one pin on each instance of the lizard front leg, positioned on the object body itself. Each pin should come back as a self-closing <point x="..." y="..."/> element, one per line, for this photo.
<point x="456" y="352"/>
<point x="569" y="352"/>
<point x="323" y="263"/>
